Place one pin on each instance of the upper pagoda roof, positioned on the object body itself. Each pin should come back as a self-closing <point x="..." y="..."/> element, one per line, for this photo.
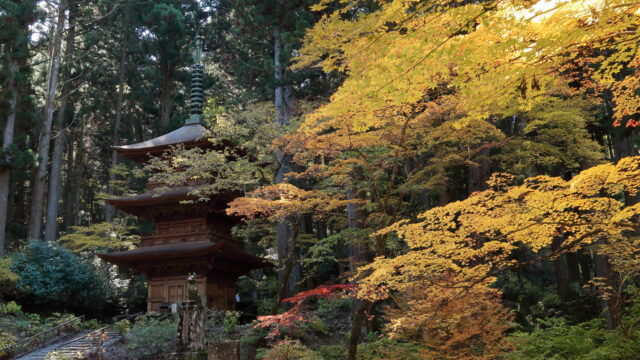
<point x="189" y="135"/>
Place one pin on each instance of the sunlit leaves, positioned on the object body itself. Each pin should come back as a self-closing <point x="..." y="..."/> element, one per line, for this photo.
<point x="474" y="239"/>
<point x="489" y="54"/>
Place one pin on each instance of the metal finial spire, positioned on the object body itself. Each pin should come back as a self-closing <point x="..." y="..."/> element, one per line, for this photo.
<point x="197" y="95"/>
<point x="197" y="51"/>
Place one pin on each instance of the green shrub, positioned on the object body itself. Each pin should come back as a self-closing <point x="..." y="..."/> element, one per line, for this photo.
<point x="8" y="278"/>
<point x="123" y="327"/>
<point x="33" y="318"/>
<point x="6" y="339"/>
<point x="150" y="337"/>
<point x="318" y="325"/>
<point x="50" y="274"/>
<point x="288" y="350"/>
<point x="230" y="320"/>
<point x="555" y="339"/>
<point x="253" y="337"/>
<point x="333" y="352"/>
<point x="90" y="324"/>
<point x="10" y="308"/>
<point x="23" y="325"/>
<point x="387" y="349"/>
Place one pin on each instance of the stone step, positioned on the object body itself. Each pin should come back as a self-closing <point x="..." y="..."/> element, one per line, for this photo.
<point x="78" y="345"/>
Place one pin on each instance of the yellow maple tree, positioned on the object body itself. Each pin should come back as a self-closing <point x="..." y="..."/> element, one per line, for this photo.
<point x="488" y="56"/>
<point x="456" y="251"/>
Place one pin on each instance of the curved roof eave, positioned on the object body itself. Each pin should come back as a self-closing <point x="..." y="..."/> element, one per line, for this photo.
<point x="185" y="134"/>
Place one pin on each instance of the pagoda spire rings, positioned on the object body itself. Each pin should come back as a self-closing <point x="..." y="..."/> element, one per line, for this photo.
<point x="197" y="89"/>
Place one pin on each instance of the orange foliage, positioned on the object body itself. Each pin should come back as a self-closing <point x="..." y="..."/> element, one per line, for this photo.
<point x="280" y="201"/>
<point x="452" y="323"/>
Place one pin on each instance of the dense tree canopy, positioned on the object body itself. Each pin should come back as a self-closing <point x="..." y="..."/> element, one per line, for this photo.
<point x="467" y="171"/>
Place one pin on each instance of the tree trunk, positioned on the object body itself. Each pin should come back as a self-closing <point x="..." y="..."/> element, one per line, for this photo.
<point x="34" y="227"/>
<point x="623" y="147"/>
<point x="79" y="173"/>
<point x="136" y="125"/>
<point x="69" y="201"/>
<point x="165" y="98"/>
<point x="444" y="196"/>
<point x="355" y="218"/>
<point x="602" y="269"/>
<point x="287" y="268"/>
<point x="561" y="270"/>
<point x="622" y="143"/>
<point x="356" y="328"/>
<point x="282" y="104"/>
<point x="110" y="210"/>
<point x="478" y="172"/>
<point x="51" y="224"/>
<point x="357" y="257"/>
<point x="7" y="141"/>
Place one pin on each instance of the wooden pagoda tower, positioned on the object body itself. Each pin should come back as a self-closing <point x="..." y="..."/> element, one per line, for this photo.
<point x="188" y="237"/>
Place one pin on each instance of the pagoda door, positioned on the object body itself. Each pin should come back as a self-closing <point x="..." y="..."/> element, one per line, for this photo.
<point x="176" y="293"/>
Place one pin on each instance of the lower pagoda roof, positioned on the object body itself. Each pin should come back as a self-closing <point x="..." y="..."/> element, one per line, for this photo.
<point x="186" y="250"/>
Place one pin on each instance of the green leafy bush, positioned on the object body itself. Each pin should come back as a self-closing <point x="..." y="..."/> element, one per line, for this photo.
<point x="253" y="337"/>
<point x="50" y="274"/>
<point x="10" y="308"/>
<point x="333" y="352"/>
<point x="6" y="339"/>
<point x="150" y="337"/>
<point x="288" y="350"/>
<point x="387" y="349"/>
<point x="230" y="320"/>
<point x="555" y="339"/>
<point x="90" y="324"/>
<point x="8" y="278"/>
<point x="123" y="327"/>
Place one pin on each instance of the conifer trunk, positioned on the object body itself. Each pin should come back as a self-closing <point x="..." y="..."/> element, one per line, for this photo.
<point x="110" y="210"/>
<point x="34" y="227"/>
<point x="51" y="224"/>
<point x="79" y="172"/>
<point x="282" y="103"/>
<point x="357" y="256"/>
<point x="288" y="265"/>
<point x="356" y="328"/>
<point x="602" y="269"/>
<point x="355" y="220"/>
<point x="7" y="141"/>
<point x="478" y="172"/>
<point x="622" y="147"/>
<point x="165" y="98"/>
<point x="69" y="200"/>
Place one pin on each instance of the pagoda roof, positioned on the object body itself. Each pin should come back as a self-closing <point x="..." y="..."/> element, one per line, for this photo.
<point x="154" y="197"/>
<point x="186" y="250"/>
<point x="189" y="135"/>
<point x="140" y="204"/>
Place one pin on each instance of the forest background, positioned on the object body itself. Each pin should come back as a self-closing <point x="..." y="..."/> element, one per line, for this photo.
<point x="470" y="169"/>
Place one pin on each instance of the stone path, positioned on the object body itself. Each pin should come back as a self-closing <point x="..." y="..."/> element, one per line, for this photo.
<point x="71" y="347"/>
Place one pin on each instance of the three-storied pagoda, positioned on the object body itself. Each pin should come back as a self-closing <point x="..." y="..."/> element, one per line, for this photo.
<point x="190" y="237"/>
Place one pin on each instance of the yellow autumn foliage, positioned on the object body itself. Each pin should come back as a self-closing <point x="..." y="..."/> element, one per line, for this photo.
<point x="484" y="57"/>
<point x="474" y="239"/>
